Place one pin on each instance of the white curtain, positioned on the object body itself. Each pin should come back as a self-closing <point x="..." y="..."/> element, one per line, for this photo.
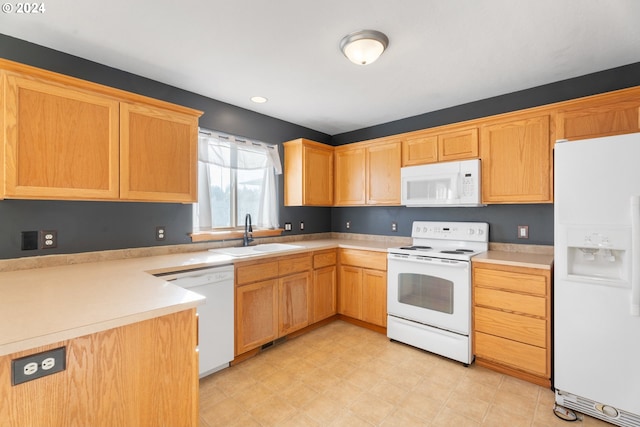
<point x="235" y="153"/>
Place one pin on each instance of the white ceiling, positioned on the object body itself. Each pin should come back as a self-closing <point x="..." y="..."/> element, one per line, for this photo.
<point x="441" y="52"/>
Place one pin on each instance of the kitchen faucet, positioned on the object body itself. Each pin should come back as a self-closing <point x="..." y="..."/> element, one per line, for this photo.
<point x="248" y="231"/>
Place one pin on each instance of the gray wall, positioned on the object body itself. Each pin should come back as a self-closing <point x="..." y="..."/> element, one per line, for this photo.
<point x="90" y="226"/>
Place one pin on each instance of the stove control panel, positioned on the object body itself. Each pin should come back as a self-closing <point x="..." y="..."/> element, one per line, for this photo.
<point x="466" y="231"/>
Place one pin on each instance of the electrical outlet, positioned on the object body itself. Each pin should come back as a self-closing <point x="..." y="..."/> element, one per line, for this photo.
<point x="394" y="226"/>
<point x="523" y="232"/>
<point x="48" y="239"/>
<point x="287" y="226"/>
<point x="38" y="365"/>
<point x="301" y="225"/>
<point x="161" y="232"/>
<point x="348" y="225"/>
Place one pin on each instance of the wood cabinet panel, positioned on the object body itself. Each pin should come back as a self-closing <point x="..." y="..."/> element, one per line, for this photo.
<point x="525" y="329"/>
<point x="596" y="118"/>
<point x="294" y="264"/>
<point x="518" y="303"/>
<point x="419" y="150"/>
<point x="458" y="145"/>
<point x="512" y="279"/>
<point x="127" y="376"/>
<point x="294" y="302"/>
<point x="350" y="177"/>
<point x="158" y="154"/>
<point x="253" y="271"/>
<point x="512" y="320"/>
<point x="256" y="315"/>
<point x="374" y="297"/>
<point x="308" y="173"/>
<point x="325" y="258"/>
<point x="383" y="173"/>
<point x="324" y="295"/>
<point x="517" y="161"/>
<point x="512" y="353"/>
<point x="366" y="259"/>
<point x="350" y="292"/>
<point x="61" y="143"/>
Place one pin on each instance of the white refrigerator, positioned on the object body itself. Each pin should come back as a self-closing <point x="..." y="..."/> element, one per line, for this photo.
<point x="597" y="278"/>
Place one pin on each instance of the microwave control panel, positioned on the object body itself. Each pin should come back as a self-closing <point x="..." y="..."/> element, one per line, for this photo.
<point x="467" y="185"/>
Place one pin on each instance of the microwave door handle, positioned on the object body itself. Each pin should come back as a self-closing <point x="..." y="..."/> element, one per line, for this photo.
<point x="635" y="254"/>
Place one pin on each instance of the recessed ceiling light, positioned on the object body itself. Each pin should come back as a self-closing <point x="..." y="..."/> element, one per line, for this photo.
<point x="258" y="99"/>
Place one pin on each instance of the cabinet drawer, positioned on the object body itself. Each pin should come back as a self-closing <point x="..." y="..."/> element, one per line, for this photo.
<point x="324" y="259"/>
<point x="509" y="301"/>
<point x="510" y="280"/>
<point x="252" y="272"/>
<point x="528" y="330"/>
<point x="294" y="264"/>
<point x="512" y="353"/>
<point x="365" y="259"/>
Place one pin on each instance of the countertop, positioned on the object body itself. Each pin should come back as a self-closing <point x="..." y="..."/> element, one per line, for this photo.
<point x="42" y="306"/>
<point x="516" y="259"/>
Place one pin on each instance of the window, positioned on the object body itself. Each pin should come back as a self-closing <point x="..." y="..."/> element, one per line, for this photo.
<point x="235" y="177"/>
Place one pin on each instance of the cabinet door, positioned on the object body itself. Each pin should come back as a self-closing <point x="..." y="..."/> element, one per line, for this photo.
<point x="158" y="154"/>
<point x="516" y="161"/>
<point x="350" y="292"/>
<point x="294" y="302"/>
<point x="318" y="176"/>
<point x="324" y="293"/>
<point x="458" y="145"/>
<point x="374" y="297"/>
<point x="594" y="118"/>
<point x="256" y="315"/>
<point x="350" y="177"/>
<point x="419" y="150"/>
<point x="61" y="143"/>
<point x="383" y="173"/>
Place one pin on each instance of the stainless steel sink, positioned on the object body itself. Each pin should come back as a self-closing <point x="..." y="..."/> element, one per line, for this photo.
<point x="244" y="251"/>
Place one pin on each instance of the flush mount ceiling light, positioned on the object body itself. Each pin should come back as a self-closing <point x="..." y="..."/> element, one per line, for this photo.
<point x="364" y="47"/>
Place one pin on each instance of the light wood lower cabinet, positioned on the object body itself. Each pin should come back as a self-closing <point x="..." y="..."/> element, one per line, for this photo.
<point x="325" y="285"/>
<point x="512" y="320"/>
<point x="272" y="299"/>
<point x="143" y="374"/>
<point x="256" y="315"/>
<point x="362" y="287"/>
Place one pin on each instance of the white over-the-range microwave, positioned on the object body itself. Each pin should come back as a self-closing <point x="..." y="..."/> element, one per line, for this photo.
<point x="454" y="183"/>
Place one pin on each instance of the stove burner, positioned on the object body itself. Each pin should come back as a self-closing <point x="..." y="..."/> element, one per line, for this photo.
<point x="457" y="251"/>
<point x="415" y="248"/>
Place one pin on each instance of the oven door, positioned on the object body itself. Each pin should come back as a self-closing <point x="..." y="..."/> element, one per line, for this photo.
<point x="432" y="291"/>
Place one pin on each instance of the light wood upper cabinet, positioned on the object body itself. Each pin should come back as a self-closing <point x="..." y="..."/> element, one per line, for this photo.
<point x="419" y="150"/>
<point x="61" y="143"/>
<point x="158" y="154"/>
<point x="65" y="138"/>
<point x="368" y="174"/>
<point x="458" y="145"/>
<point x="517" y="160"/>
<point x="308" y="173"/>
<point x="350" y="175"/>
<point x="435" y="146"/>
<point x="598" y="116"/>
<point x="383" y="173"/>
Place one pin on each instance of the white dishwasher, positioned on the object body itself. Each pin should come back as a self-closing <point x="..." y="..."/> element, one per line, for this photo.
<point x="215" y="332"/>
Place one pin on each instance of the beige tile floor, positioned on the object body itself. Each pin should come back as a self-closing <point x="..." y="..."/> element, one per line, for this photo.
<point x="344" y="375"/>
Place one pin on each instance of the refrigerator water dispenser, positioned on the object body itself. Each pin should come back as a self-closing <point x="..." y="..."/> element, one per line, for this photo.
<point x="599" y="254"/>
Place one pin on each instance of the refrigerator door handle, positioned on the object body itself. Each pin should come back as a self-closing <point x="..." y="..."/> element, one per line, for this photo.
<point x="635" y="253"/>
